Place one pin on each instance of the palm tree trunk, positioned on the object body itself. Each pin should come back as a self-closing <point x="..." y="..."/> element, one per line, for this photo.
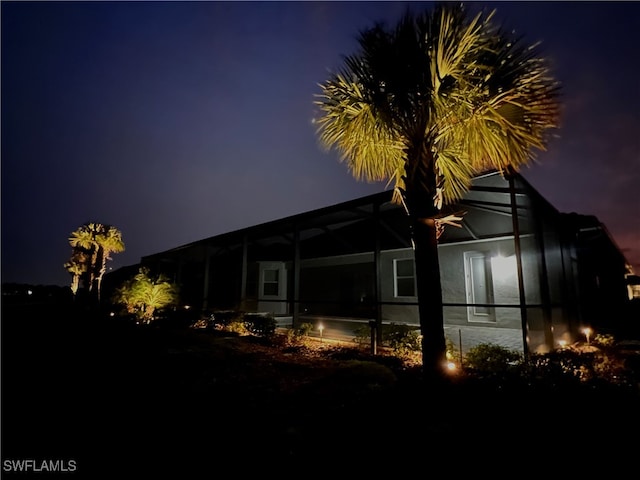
<point x="103" y="270"/>
<point x="420" y="182"/>
<point x="429" y="291"/>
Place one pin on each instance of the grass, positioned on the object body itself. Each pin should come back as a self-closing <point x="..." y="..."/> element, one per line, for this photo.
<point x="124" y="401"/>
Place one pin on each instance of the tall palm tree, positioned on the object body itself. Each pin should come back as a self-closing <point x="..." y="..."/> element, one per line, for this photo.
<point x="94" y="242"/>
<point x="83" y="240"/>
<point x="109" y="241"/>
<point x="428" y="105"/>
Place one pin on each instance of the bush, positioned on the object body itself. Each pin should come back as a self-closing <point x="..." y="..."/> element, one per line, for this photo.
<point x="576" y="365"/>
<point x="238" y="326"/>
<point x="492" y="359"/>
<point x="362" y="335"/>
<point x="580" y="365"/>
<point x="303" y="329"/>
<point x="402" y="339"/>
<point x="296" y="337"/>
<point x="224" y="318"/>
<point x="260" y="324"/>
<point x="175" y="317"/>
<point x="452" y="352"/>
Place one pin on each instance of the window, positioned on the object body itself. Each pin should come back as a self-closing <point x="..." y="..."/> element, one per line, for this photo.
<point x="404" y="277"/>
<point x="270" y="284"/>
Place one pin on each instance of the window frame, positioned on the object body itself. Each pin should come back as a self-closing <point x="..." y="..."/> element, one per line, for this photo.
<point x="265" y="282"/>
<point x="397" y="277"/>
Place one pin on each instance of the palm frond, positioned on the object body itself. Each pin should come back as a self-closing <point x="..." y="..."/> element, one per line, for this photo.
<point x="370" y="150"/>
<point x="440" y="95"/>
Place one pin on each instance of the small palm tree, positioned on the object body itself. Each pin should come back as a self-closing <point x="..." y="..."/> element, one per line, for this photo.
<point x="76" y="266"/>
<point x="143" y="295"/>
<point x="427" y="106"/>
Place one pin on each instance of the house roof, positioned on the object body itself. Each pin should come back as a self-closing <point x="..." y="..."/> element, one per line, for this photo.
<point x="348" y="227"/>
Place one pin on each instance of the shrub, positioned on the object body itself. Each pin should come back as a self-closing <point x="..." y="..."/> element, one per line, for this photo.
<point x="296" y="337"/>
<point x="201" y="324"/>
<point x="238" y="326"/>
<point x="303" y="329"/>
<point x="452" y="352"/>
<point x="604" y="340"/>
<point x="401" y="338"/>
<point x="224" y="318"/>
<point x="362" y="335"/>
<point x="489" y="358"/>
<point x="576" y="365"/>
<point x="260" y="324"/>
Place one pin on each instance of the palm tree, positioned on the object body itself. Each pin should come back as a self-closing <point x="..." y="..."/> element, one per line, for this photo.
<point x="76" y="266"/>
<point x="427" y="106"/>
<point x="83" y="240"/>
<point x="110" y="241"/>
<point x="142" y="295"/>
<point x="93" y="244"/>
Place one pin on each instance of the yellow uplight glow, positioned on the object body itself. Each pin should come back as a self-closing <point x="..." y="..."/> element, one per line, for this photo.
<point x="587" y="333"/>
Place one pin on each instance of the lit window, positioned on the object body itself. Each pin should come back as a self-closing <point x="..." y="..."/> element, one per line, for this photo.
<point x="404" y="276"/>
<point x="270" y="285"/>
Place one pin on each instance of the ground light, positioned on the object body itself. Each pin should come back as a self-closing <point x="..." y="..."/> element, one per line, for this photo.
<point x="321" y="328"/>
<point x="587" y="333"/>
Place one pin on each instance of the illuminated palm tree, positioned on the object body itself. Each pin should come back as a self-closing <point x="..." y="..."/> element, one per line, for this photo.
<point x="110" y="241"/>
<point x="76" y="266"/>
<point x="92" y="245"/>
<point x="427" y="106"/>
<point x="83" y="241"/>
<point x="142" y="295"/>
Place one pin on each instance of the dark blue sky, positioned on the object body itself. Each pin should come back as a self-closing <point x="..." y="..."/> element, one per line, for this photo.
<point x="176" y="121"/>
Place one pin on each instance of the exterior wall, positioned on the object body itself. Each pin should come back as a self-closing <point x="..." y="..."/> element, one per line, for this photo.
<point x="402" y="310"/>
<point x="502" y="278"/>
<point x="338" y="286"/>
<point x="504" y="325"/>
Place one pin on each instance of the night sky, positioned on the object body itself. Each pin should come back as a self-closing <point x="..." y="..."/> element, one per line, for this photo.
<point x="177" y="121"/>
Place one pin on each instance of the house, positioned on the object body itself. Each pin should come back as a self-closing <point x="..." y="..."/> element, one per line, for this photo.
<point x="517" y="273"/>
